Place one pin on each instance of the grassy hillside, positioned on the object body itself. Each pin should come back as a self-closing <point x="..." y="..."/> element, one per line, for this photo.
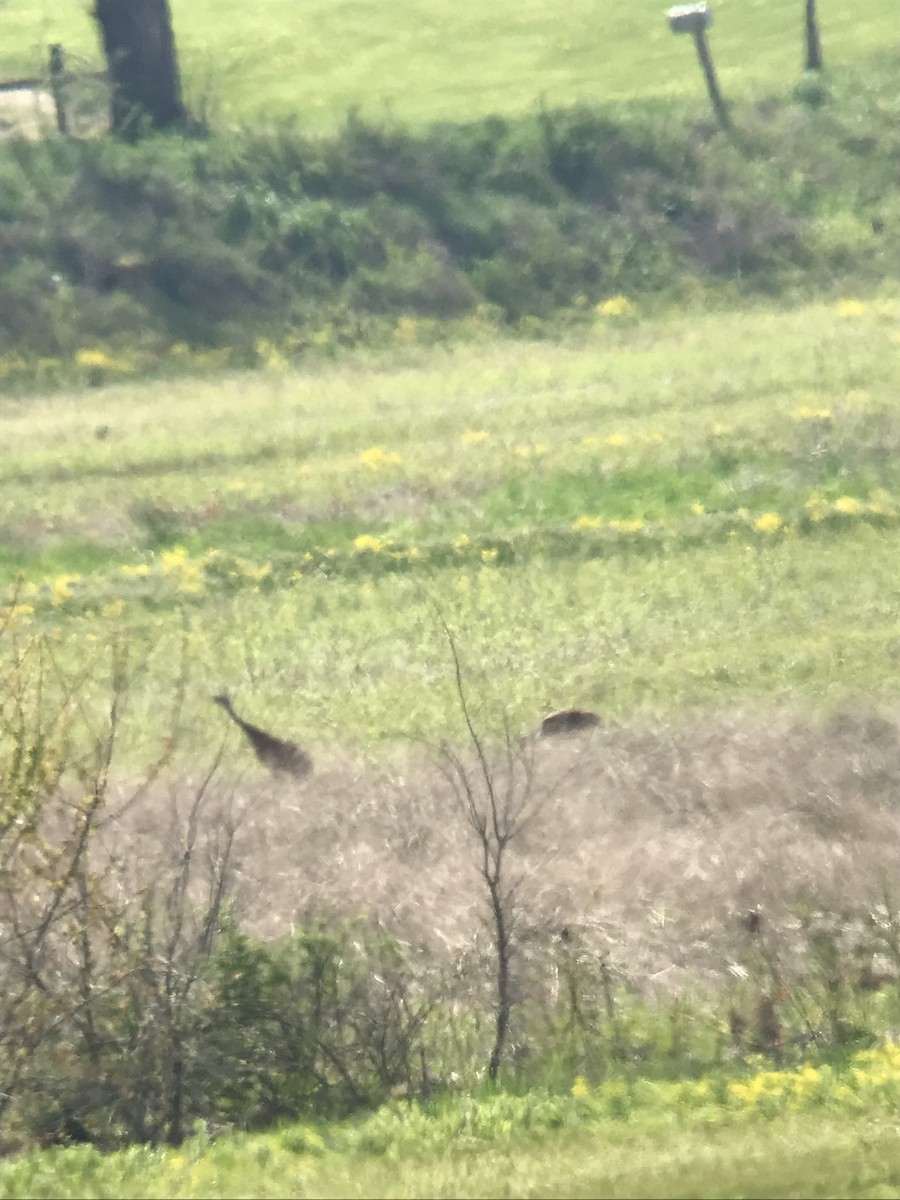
<point x="282" y="245"/>
<point x="636" y="518"/>
<point x="436" y="60"/>
<point x="545" y="186"/>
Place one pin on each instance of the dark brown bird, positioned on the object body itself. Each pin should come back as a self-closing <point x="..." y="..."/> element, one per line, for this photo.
<point x="278" y="754"/>
<point x="567" y="720"/>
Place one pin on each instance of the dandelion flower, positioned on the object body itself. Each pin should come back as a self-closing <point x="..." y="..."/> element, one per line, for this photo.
<point x="376" y="458"/>
<point x="366" y="541"/>
<point x="769" y="522"/>
<point x="61" y="588"/>
<point x="848" y="505"/>
<point x="615" y="306"/>
<point x="474" y="437"/>
<point x="850" y="308"/>
<point x="270" y="356"/>
<point x="93" y="358"/>
<point x="806" y="413"/>
<point x="817" y="507"/>
<point x="580" y="1087"/>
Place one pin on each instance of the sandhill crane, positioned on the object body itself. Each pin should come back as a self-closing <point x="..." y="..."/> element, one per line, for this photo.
<point x="567" y="720"/>
<point x="278" y="754"/>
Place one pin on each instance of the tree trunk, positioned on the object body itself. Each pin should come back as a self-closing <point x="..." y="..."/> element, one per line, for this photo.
<point x="813" y="44"/>
<point x="143" y="65"/>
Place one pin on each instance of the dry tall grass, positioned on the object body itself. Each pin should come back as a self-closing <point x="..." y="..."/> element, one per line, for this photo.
<point x="652" y="841"/>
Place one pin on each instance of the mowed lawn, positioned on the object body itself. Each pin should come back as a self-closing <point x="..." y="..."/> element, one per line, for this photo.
<point x="435" y="60"/>
<point x="658" y="514"/>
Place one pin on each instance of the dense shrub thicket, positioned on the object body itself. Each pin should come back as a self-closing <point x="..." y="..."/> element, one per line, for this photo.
<point x="215" y="241"/>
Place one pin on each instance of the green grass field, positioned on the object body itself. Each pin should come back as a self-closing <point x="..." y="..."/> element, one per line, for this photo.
<point x="805" y="1133"/>
<point x="664" y="513"/>
<point x="435" y="61"/>
<point x="687" y="519"/>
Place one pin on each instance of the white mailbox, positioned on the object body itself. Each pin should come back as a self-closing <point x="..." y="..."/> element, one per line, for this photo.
<point x="690" y="18"/>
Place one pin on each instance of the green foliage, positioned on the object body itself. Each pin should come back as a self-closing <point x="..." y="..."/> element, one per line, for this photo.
<point x="115" y="253"/>
<point x="321" y="1024"/>
<point x="828" y="1133"/>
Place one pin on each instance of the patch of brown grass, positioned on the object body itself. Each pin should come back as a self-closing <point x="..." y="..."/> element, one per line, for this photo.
<point x="652" y="841"/>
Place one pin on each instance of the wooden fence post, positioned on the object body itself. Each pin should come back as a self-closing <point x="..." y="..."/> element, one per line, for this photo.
<point x="57" y="88"/>
<point x="712" y="83"/>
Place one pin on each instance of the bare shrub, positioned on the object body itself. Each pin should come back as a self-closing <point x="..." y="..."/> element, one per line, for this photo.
<point x="131" y="1002"/>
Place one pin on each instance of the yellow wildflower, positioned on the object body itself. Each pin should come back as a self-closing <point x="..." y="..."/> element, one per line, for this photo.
<point x="817" y="507"/>
<point x="615" y="306"/>
<point x="16" y="611"/>
<point x="769" y="522"/>
<point x="489" y="556"/>
<point x="848" y="505"/>
<point x="135" y="571"/>
<point x="61" y="588"/>
<point x="697" y="509"/>
<point x="173" y="560"/>
<point x="587" y="523"/>
<point x="474" y="437"/>
<point x="882" y="503"/>
<point x="850" y="308"/>
<point x="366" y="541"/>
<point x="616" y="439"/>
<point x="627" y="525"/>
<point x="257" y="573"/>
<point x="376" y="457"/>
<point x="580" y="1087"/>
<point x="806" y="413"/>
<point x="461" y="541"/>
<point x="114" y="609"/>
<point x="93" y="358"/>
<point x="270" y="356"/>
